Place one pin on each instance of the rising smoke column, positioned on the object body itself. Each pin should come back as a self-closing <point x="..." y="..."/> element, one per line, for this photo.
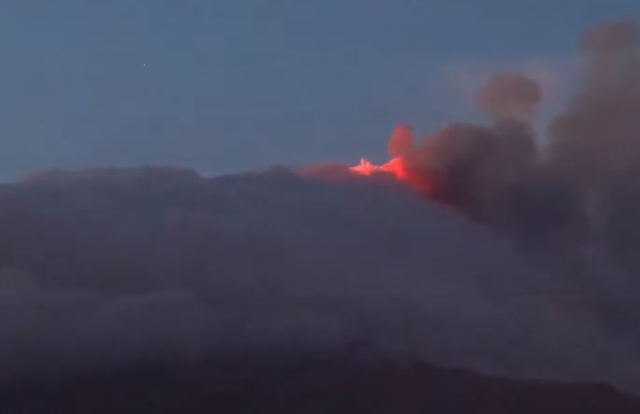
<point x="492" y="172"/>
<point x="585" y="188"/>
<point x="469" y="166"/>
<point x="509" y="96"/>
<point x="595" y="143"/>
<point x="581" y="191"/>
<point x="599" y="132"/>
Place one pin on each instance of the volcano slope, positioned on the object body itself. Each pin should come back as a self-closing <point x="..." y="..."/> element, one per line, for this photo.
<point x="312" y="383"/>
<point x="104" y="270"/>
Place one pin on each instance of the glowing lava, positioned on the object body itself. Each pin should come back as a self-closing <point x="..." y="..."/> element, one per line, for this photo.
<point x="395" y="167"/>
<point x="398" y="169"/>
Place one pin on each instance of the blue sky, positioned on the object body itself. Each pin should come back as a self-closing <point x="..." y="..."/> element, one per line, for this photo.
<point x="224" y="85"/>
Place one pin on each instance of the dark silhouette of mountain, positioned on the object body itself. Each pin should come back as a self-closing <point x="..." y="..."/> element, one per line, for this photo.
<point x="310" y="383"/>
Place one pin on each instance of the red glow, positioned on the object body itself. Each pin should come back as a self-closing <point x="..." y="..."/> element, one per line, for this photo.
<point x="394" y="167"/>
<point x="398" y="169"/>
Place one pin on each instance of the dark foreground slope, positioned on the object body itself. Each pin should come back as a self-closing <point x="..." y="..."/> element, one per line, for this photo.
<point x="108" y="268"/>
<point x="307" y="384"/>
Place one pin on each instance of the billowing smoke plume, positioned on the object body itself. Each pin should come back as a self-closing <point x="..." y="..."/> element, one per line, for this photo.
<point x="580" y="190"/>
<point x="467" y="165"/>
<point x="509" y="96"/>
<point x="596" y="141"/>
<point x="599" y="134"/>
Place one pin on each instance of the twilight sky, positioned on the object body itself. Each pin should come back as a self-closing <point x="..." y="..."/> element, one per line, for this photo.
<point x="223" y="86"/>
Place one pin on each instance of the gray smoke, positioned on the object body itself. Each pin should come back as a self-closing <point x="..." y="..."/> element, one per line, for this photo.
<point x="472" y="166"/>
<point x="596" y="141"/>
<point x="598" y="133"/>
<point x="509" y="96"/>
<point x="579" y="192"/>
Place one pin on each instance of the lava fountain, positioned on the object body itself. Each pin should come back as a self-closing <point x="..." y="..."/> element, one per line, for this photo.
<point x="403" y="165"/>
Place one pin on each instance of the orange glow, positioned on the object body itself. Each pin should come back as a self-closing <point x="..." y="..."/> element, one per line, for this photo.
<point x="397" y="168"/>
<point x="394" y="167"/>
